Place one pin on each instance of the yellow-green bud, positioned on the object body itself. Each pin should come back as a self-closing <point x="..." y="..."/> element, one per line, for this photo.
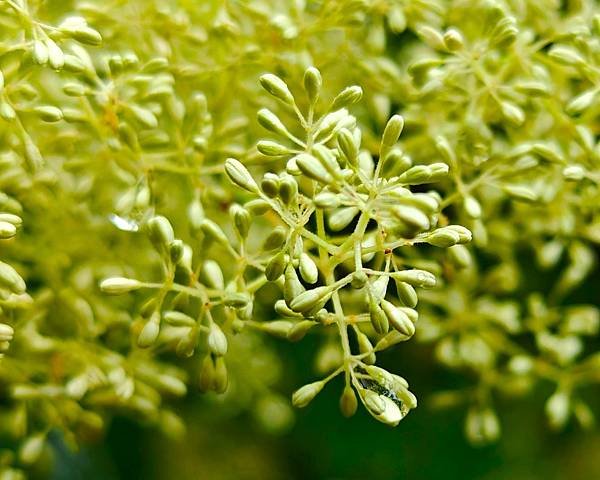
<point x="119" y="285"/>
<point x="348" y="402"/>
<point x="277" y="87"/>
<point x="304" y="395"/>
<point x="240" y="175"/>
<point x="216" y="340"/>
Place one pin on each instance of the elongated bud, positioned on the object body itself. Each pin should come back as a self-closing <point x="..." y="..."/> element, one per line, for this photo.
<point x="48" y="113"/>
<point x="379" y="319"/>
<point x="275" y="267"/>
<point x="453" y="40"/>
<point x="10" y="279"/>
<point x="348" y="146"/>
<point x="277" y="87"/>
<point x="558" y="409"/>
<point x="392" y="131"/>
<point x="299" y="330"/>
<point x="207" y="374"/>
<point x="276" y="239"/>
<point x="512" y="113"/>
<point x="40" y="52"/>
<point x="56" y="57"/>
<point x="443" y="237"/>
<point x="416" y="278"/>
<point x="522" y="193"/>
<point x="217" y="341"/>
<point x="31" y="449"/>
<point x="160" y="232"/>
<point x="581" y="103"/>
<point x="119" y="285"/>
<point x="178" y="319"/>
<point x="7" y="230"/>
<point x="271" y="122"/>
<point x="398" y="319"/>
<point x="288" y="190"/>
<point x="310" y="299"/>
<point x="412" y="217"/>
<point x="312" y="168"/>
<point x="241" y="220"/>
<point x="212" y="275"/>
<point x="292" y="287"/>
<point x="341" y="218"/>
<point x="574" y="173"/>
<point x="348" y="402"/>
<point x="327" y="200"/>
<point x="150" y="332"/>
<point x="565" y="55"/>
<point x="346" y="97"/>
<point x="308" y="269"/>
<point x="312" y="83"/>
<point x="272" y="149"/>
<point x="365" y="347"/>
<point x="304" y="395"/>
<point x="213" y="231"/>
<point x="373" y="401"/>
<point x="240" y="175"/>
<point x="220" y="379"/>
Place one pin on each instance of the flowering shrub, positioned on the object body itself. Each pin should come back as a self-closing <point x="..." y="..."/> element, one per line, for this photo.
<point x="181" y="180"/>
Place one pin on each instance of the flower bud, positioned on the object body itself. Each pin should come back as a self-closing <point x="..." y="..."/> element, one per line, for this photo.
<point x="327" y="200"/>
<point x="416" y="278"/>
<point x="241" y="220"/>
<point x="207" y="374"/>
<point x="312" y="168"/>
<point x="276" y="239"/>
<point x="7" y="230"/>
<point x="48" y="113"/>
<point x="288" y="190"/>
<point x="32" y="448"/>
<point x="392" y="131"/>
<point x="310" y="299"/>
<point x="212" y="275"/>
<point x="379" y="319"/>
<point x="119" y="285"/>
<point x="277" y="87"/>
<point x="443" y="238"/>
<point x="308" y="269"/>
<point x="299" y="330"/>
<point x="574" y="173"/>
<point x="220" y="378"/>
<point x="271" y="122"/>
<point x="160" y="232"/>
<point x="312" y="83"/>
<point x="272" y="149"/>
<point x="212" y="231"/>
<point x="346" y="97"/>
<point x="398" y="319"/>
<point x="275" y="267"/>
<point x="216" y="340"/>
<point x="348" y="146"/>
<point x="304" y="395"/>
<point x="270" y="185"/>
<point x="365" y="347"/>
<point x="150" y="332"/>
<point x="406" y="294"/>
<point x="348" y="402"/>
<point x="341" y="218"/>
<point x="240" y="175"/>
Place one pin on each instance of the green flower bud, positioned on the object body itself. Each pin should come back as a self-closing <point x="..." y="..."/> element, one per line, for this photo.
<point x="312" y="83"/>
<point x="56" y="57"/>
<point x="48" y="113"/>
<point x="216" y="340"/>
<point x="412" y="217"/>
<point x="40" y="52"/>
<point x="574" y="173"/>
<point x="160" y="232"/>
<point x="277" y="87"/>
<point x="416" y="278"/>
<point x="276" y="239"/>
<point x="341" y="218"/>
<point x="32" y="448"/>
<point x="348" y="146"/>
<point x="398" y="319"/>
<point x="144" y="116"/>
<point x="520" y="192"/>
<point x="207" y="374"/>
<point x="308" y="269"/>
<point x="346" y="97"/>
<point x="270" y="185"/>
<point x="565" y="55"/>
<point x="406" y="294"/>
<point x="310" y="299"/>
<point x="257" y="207"/>
<point x="348" y="402"/>
<point x="7" y="230"/>
<point x="379" y="319"/>
<point x="74" y="89"/>
<point x="312" y="168"/>
<point x="459" y="255"/>
<point x="241" y="220"/>
<point x="304" y="395"/>
<point x="512" y="113"/>
<point x="558" y="409"/>
<point x="299" y="330"/>
<point x="119" y="285"/>
<point x="374" y="402"/>
<point x="581" y="103"/>
<point x="392" y="131"/>
<point x="327" y="200"/>
<point x="288" y="190"/>
<point x="149" y="333"/>
<point x="453" y="40"/>
<point x="275" y="267"/>
<point x="443" y="237"/>
<point x="220" y="379"/>
<point x="240" y="175"/>
<point x="272" y="149"/>
<point x="212" y="231"/>
<point x="292" y="287"/>
<point x="271" y="122"/>
<point x="365" y="347"/>
<point x="212" y="275"/>
<point x="178" y="319"/>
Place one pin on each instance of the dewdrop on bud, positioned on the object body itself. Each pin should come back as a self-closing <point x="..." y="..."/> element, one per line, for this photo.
<point x="346" y="97"/>
<point x="312" y="83"/>
<point x="119" y="285"/>
<point x="392" y="131"/>
<point x="150" y="332"/>
<point x="277" y="87"/>
<point x="308" y="269"/>
<point x="304" y="395"/>
<point x="216" y="340"/>
<point x="373" y="402"/>
<point x="240" y="175"/>
<point x="348" y="402"/>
